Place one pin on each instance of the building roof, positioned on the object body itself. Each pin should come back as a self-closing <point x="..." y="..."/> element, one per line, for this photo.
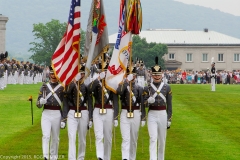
<point x="179" y="37"/>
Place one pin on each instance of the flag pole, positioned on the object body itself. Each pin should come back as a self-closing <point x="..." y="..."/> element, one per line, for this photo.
<point x="103" y="110"/>
<point x="130" y="113"/>
<point x="78" y="114"/>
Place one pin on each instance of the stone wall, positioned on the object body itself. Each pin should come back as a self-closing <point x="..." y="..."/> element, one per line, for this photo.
<point x="3" y="21"/>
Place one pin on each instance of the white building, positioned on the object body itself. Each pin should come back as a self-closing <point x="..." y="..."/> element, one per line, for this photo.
<point x="193" y="50"/>
<point x="3" y="21"/>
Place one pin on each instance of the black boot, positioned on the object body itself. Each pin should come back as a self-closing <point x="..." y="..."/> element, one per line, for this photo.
<point x="45" y="158"/>
<point x="124" y="159"/>
<point x="100" y="159"/>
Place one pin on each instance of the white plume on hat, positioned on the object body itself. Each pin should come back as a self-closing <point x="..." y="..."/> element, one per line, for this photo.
<point x="212" y="60"/>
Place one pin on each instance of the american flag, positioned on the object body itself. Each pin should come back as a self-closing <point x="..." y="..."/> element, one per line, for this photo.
<point x="66" y="57"/>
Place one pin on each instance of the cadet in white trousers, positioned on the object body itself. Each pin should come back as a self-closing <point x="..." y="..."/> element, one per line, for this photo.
<point x="159" y="98"/>
<point x="77" y="119"/>
<point x="213" y="77"/>
<point x="2" y="70"/>
<point x="105" y="115"/>
<point x="131" y="114"/>
<point x="51" y="98"/>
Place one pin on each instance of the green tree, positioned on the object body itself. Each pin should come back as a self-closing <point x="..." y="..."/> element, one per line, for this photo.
<point x="148" y="51"/>
<point x="47" y="38"/>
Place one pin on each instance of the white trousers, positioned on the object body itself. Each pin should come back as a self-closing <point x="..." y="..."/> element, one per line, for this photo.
<point x="157" y="129"/>
<point x="129" y="130"/>
<point x="20" y="79"/>
<point x="213" y="84"/>
<point x="50" y="124"/>
<point x="77" y="126"/>
<point x="2" y="83"/>
<point x="103" y="124"/>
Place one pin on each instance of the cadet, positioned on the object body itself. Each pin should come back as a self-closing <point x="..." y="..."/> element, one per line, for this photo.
<point x="77" y="118"/>
<point x="159" y="98"/>
<point x="104" y="114"/>
<point x="213" y="75"/>
<point x="132" y="113"/>
<point x="21" y="71"/>
<point x="141" y="74"/>
<point x="2" y="70"/>
<point x="50" y="98"/>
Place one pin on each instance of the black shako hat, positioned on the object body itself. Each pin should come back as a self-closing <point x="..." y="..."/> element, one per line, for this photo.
<point x="156" y="70"/>
<point x="132" y="69"/>
<point x="82" y="69"/>
<point x="51" y="70"/>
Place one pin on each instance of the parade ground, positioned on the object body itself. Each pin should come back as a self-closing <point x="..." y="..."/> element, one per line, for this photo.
<point x="205" y="125"/>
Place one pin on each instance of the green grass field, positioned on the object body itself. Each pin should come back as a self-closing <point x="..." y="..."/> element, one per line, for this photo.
<point x="205" y="126"/>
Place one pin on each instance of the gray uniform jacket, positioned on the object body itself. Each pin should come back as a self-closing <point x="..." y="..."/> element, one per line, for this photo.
<point x="2" y="70"/>
<point x="9" y="69"/>
<point x="95" y="90"/>
<point x="14" y="68"/>
<point x="26" y="67"/>
<point x="70" y="98"/>
<point x="137" y="90"/>
<point x="51" y="101"/>
<point x="166" y="91"/>
<point x="21" y="69"/>
<point x="141" y="72"/>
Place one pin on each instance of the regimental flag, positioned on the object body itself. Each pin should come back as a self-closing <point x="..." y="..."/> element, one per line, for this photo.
<point x="118" y="63"/>
<point x="97" y="41"/>
<point x="134" y="16"/>
<point x="66" y="57"/>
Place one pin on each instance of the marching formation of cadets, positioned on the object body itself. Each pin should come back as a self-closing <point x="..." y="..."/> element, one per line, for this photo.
<point x="86" y="104"/>
<point x="15" y="72"/>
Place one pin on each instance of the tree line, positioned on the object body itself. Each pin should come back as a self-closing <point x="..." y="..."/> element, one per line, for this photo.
<point x="47" y="37"/>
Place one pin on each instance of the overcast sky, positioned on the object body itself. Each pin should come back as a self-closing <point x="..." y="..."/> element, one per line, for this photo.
<point x="228" y="6"/>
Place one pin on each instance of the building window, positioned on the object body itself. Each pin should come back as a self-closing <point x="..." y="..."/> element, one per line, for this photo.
<point x="171" y="56"/>
<point x="220" y="57"/>
<point x="189" y="57"/>
<point x="236" y="57"/>
<point x="204" y="57"/>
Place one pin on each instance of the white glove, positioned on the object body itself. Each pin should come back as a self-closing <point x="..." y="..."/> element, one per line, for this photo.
<point x="78" y="76"/>
<point x="90" y="124"/>
<point x="130" y="77"/>
<point x="63" y="124"/>
<point x="42" y="101"/>
<point x="115" y="123"/>
<point x="168" y="124"/>
<point x="143" y="123"/>
<point x="102" y="75"/>
<point x="151" y="100"/>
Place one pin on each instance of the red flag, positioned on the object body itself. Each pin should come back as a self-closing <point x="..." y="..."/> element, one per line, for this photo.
<point x="66" y="57"/>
